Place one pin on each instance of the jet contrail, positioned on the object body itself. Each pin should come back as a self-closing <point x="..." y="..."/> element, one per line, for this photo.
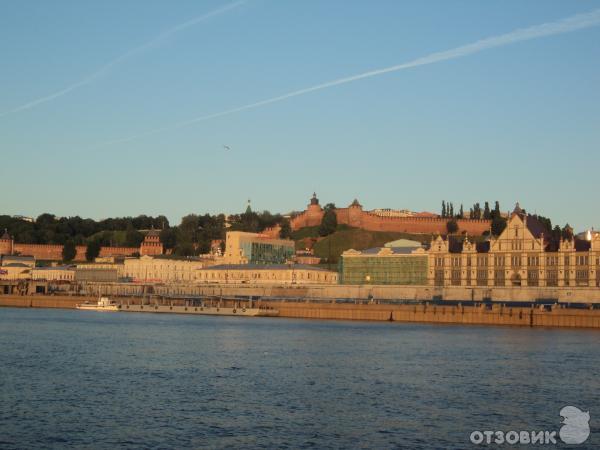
<point x="161" y="37"/>
<point x="566" y="25"/>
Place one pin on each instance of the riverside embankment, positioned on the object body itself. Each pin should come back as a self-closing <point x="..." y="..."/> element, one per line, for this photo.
<point x="483" y="314"/>
<point x="587" y="295"/>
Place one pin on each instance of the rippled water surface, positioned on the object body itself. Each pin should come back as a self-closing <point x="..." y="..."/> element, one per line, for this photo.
<point x="82" y="379"/>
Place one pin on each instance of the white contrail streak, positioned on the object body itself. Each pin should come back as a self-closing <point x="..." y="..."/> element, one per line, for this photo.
<point x="161" y="37"/>
<point x="566" y="25"/>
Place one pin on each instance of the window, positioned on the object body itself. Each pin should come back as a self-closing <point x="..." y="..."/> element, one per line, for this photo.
<point x="552" y="278"/>
<point x="533" y="277"/>
<point x="455" y="278"/>
<point x="499" y="278"/>
<point x="515" y="260"/>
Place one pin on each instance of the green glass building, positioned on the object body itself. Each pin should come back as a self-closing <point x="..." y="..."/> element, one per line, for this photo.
<point x="400" y="266"/>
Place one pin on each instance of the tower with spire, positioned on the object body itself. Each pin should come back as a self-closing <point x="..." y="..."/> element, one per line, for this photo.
<point x="151" y="245"/>
<point x="6" y="244"/>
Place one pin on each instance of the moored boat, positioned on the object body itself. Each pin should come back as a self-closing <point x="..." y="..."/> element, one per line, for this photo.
<point x="103" y="304"/>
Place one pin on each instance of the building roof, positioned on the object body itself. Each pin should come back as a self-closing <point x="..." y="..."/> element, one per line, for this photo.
<point x="6" y="236"/>
<point x="15" y="265"/>
<point x="582" y="245"/>
<point x="65" y="267"/>
<point x="403" y="243"/>
<point x="386" y="251"/>
<point x="18" y="258"/>
<point x="153" y="232"/>
<point x="265" y="267"/>
<point x="535" y="227"/>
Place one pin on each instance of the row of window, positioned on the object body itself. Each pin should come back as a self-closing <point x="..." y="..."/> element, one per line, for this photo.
<point x="515" y="261"/>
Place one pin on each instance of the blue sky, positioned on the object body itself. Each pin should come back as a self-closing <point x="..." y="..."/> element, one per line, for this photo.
<point x="519" y="122"/>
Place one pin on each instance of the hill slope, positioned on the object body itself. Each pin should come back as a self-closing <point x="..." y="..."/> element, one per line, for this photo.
<point x="359" y="239"/>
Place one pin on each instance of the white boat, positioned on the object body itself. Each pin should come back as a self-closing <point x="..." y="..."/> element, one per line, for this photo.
<point x="104" y="304"/>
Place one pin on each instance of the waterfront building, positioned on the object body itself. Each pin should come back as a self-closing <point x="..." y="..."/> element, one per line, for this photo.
<point x="15" y="271"/>
<point x="163" y="269"/>
<point x="53" y="273"/>
<point x="266" y="274"/>
<point x="256" y="248"/>
<point x="402" y="265"/>
<point x="28" y="261"/>
<point x="521" y="256"/>
<point x="96" y="274"/>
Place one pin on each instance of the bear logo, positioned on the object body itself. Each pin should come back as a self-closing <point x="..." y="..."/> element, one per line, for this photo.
<point x="576" y="427"/>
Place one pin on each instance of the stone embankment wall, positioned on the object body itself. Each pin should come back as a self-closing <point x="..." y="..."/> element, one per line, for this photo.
<point x="557" y="316"/>
<point x="472" y="315"/>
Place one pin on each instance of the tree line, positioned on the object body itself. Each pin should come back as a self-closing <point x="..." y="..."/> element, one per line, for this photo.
<point x="193" y="236"/>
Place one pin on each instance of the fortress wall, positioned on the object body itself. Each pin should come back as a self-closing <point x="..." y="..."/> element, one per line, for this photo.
<point x="355" y="217"/>
<point x="47" y="252"/>
<point x="118" y="251"/>
<point x="50" y="252"/>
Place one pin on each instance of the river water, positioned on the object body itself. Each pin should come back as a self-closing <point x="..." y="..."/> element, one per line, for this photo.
<point x="82" y="379"/>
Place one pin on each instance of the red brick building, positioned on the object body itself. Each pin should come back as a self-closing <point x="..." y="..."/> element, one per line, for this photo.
<point x="151" y="245"/>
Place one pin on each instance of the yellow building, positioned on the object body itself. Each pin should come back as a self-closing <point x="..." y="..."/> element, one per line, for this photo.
<point x="55" y="273"/>
<point x="16" y="267"/>
<point x="163" y="269"/>
<point x="520" y="256"/>
<point x="15" y="271"/>
<point x="255" y="248"/>
<point x="266" y="274"/>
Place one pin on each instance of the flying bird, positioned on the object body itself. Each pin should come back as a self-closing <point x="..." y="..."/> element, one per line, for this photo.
<point x="226" y="147"/>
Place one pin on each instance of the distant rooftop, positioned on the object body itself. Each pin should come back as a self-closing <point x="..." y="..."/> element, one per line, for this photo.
<point x="403" y="243"/>
<point x="18" y="258"/>
<point x="265" y="267"/>
<point x="391" y="250"/>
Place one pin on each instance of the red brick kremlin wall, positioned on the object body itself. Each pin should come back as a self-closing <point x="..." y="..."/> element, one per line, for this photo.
<point x="51" y="252"/>
<point x="354" y="216"/>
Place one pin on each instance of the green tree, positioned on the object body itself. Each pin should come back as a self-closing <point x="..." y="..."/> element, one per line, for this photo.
<point x="443" y="208"/>
<point x="486" y="211"/>
<point x="498" y="225"/>
<point x="329" y="221"/>
<point x="476" y="211"/>
<point x="567" y="232"/>
<point x="556" y="233"/>
<point x="452" y="226"/>
<point x="133" y="238"/>
<point x="496" y="211"/>
<point x="69" y="251"/>
<point x="187" y="235"/>
<point x="93" y="250"/>
<point x="168" y="237"/>
<point x="286" y="229"/>
<point x="461" y="213"/>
